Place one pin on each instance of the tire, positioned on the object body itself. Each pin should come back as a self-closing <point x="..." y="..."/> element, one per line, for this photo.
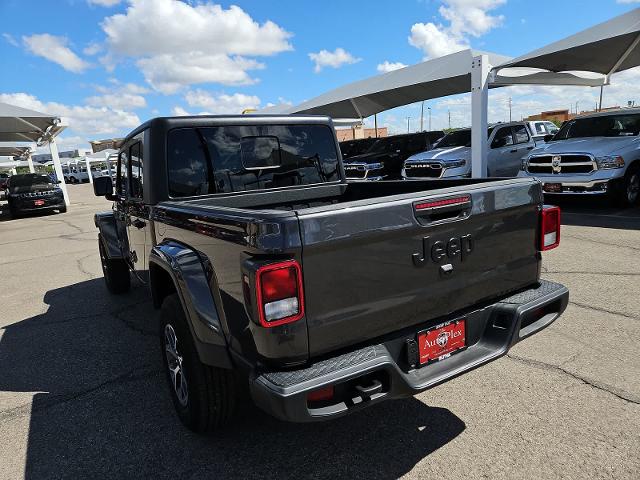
<point x="63" y="209"/>
<point x="13" y="212"/>
<point x="628" y="192"/>
<point x="203" y="396"/>
<point x="115" y="271"/>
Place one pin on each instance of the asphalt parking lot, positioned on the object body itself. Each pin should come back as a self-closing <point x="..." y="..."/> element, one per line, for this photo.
<point x="82" y="393"/>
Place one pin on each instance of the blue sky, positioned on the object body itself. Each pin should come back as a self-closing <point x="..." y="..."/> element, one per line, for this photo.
<point x="107" y="65"/>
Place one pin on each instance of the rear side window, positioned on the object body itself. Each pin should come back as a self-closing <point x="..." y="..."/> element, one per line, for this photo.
<point x="253" y="157"/>
<point x="503" y="138"/>
<point x="521" y="134"/>
<point x="540" y="127"/>
<point x="135" y="156"/>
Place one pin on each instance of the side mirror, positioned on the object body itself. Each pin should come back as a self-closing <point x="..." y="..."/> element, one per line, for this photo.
<point x="103" y="187"/>
<point x="548" y="137"/>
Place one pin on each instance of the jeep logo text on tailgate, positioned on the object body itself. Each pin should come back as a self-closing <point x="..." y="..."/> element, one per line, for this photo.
<point x="439" y="250"/>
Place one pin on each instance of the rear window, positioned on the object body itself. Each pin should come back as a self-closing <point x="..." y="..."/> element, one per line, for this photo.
<point x="239" y="158"/>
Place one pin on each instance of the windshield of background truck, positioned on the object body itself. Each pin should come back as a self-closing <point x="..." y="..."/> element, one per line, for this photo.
<point x="624" y="125"/>
<point x="386" y="145"/>
<point x="29" y="180"/>
<point x="457" y="138"/>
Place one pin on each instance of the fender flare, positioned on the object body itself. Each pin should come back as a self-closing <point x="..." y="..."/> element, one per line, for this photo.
<point x="185" y="268"/>
<point x="106" y="223"/>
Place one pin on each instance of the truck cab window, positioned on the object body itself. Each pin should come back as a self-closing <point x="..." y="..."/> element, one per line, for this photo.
<point x="503" y="138"/>
<point x="521" y="134"/>
<point x="121" y="181"/>
<point x="135" y="156"/>
<point x="235" y="159"/>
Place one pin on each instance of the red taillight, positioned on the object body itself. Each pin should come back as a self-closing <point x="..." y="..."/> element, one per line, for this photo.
<point x="321" y="395"/>
<point x="549" y="228"/>
<point x="279" y="293"/>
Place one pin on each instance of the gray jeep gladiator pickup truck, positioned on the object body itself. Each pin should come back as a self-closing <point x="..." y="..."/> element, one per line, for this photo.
<point x="316" y="296"/>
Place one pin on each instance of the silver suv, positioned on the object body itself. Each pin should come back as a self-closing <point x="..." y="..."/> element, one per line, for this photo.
<point x="596" y="154"/>
<point x="508" y="144"/>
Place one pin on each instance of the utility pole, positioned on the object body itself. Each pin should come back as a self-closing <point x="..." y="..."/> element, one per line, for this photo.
<point x="408" y="118"/>
<point x="449" y="112"/>
<point x="375" y="123"/>
<point x="509" y="108"/>
<point x="577" y="108"/>
<point x="422" y="117"/>
<point x="429" y="108"/>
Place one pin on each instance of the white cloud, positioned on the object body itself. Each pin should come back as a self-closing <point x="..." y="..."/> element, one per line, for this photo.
<point x="10" y="39"/>
<point x="180" y="112"/>
<point x="122" y="96"/>
<point x="222" y="103"/>
<point x="171" y="72"/>
<point x="388" y="66"/>
<point x="465" y="18"/>
<point x="104" y="3"/>
<point x="334" y="59"/>
<point x="83" y="120"/>
<point x="92" y="49"/>
<point x="177" y="44"/>
<point x="55" y="50"/>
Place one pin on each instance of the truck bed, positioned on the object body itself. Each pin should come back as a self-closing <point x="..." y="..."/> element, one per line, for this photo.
<point x="367" y="254"/>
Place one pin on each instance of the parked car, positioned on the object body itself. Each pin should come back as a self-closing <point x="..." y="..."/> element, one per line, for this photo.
<point x="4" y="177"/>
<point x="384" y="158"/>
<point x="32" y="192"/>
<point x="508" y="143"/>
<point x="74" y="174"/>
<point x="541" y="128"/>
<point x="350" y="148"/>
<point x="265" y="265"/>
<point x="597" y="154"/>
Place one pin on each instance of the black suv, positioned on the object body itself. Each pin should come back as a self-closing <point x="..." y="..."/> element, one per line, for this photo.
<point x="384" y="159"/>
<point x="33" y="192"/>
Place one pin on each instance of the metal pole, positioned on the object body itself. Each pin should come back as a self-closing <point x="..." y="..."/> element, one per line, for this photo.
<point x="53" y="148"/>
<point x="600" y="107"/>
<point x="422" y="116"/>
<point x="509" y="108"/>
<point x="30" y="162"/>
<point x="480" y="69"/>
<point x="375" y="123"/>
<point x="429" y="108"/>
<point x="86" y="161"/>
<point x="408" y="118"/>
<point x="449" y="111"/>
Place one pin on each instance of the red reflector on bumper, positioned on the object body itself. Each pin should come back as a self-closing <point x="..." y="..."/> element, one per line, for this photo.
<point x="322" y="394"/>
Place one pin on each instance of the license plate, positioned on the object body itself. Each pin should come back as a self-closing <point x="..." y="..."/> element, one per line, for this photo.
<point x="552" y="187"/>
<point x="441" y="341"/>
<point x="38" y="203"/>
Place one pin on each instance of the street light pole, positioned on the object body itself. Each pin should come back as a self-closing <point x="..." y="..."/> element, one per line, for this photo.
<point x="408" y="118"/>
<point x="429" y="108"/>
<point x="509" y="108"/>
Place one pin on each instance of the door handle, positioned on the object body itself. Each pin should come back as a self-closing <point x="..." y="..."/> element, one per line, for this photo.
<point x="530" y="148"/>
<point x="515" y="150"/>
<point x="138" y="223"/>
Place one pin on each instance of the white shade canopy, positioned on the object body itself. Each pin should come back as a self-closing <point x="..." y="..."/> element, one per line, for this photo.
<point x="19" y="124"/>
<point x="14" y="151"/>
<point x="606" y="48"/>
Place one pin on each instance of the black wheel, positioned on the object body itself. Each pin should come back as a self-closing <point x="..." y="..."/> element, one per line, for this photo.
<point x="628" y="192"/>
<point x="63" y="209"/>
<point x="13" y="211"/>
<point x="115" y="271"/>
<point x="203" y="396"/>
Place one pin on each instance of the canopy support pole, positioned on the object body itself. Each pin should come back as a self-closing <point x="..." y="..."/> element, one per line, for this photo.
<point x="480" y="69"/>
<point x="89" y="174"/>
<point x="622" y="58"/>
<point x="53" y="148"/>
<point x="30" y="162"/>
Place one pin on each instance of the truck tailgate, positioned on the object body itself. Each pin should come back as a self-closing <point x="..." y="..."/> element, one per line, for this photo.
<point x="377" y="266"/>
